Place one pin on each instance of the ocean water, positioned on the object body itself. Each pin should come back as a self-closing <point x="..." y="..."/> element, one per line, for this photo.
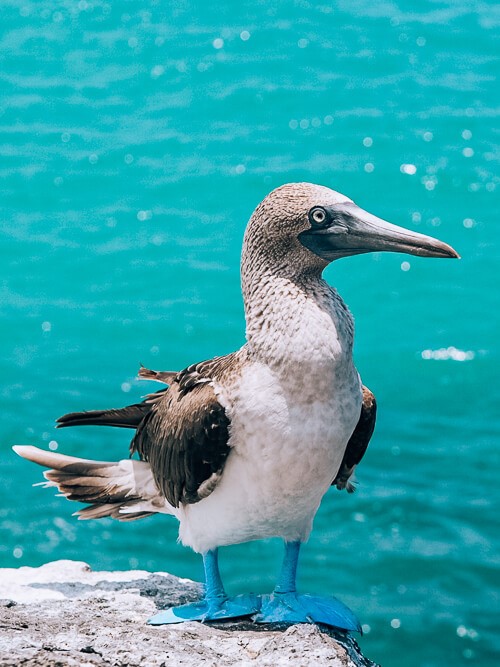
<point x="136" y="139"/>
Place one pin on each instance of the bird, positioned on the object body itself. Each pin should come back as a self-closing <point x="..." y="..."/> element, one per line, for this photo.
<point x="244" y="446"/>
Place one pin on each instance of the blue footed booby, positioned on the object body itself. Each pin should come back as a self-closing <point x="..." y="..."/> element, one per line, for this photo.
<point x="244" y="446"/>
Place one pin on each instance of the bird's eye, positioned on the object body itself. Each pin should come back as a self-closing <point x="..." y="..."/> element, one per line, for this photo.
<point x="317" y="215"/>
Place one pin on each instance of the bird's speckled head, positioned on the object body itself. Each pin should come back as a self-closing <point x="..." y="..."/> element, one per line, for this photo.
<point x="302" y="227"/>
<point x="289" y="205"/>
<point x="284" y="212"/>
<point x="274" y="228"/>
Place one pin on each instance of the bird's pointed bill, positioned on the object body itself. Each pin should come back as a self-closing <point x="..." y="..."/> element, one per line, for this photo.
<point x="354" y="231"/>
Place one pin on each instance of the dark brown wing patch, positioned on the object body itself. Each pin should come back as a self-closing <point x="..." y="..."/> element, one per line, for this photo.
<point x="185" y="439"/>
<point x="204" y="371"/>
<point x="358" y="442"/>
<point x="128" y="417"/>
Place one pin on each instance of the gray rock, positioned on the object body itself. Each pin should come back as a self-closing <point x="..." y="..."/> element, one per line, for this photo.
<point x="63" y="614"/>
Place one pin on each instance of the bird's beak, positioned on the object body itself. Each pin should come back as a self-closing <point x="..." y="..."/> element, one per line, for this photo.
<point x="355" y="231"/>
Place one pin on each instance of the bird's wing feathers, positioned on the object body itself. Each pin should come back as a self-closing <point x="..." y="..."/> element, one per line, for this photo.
<point x="165" y="377"/>
<point x="358" y="442"/>
<point x="204" y="372"/>
<point x="128" y="417"/>
<point x="185" y="435"/>
<point x="182" y="430"/>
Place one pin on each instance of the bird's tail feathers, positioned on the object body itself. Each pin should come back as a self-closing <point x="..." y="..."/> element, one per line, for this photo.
<point x="124" y="490"/>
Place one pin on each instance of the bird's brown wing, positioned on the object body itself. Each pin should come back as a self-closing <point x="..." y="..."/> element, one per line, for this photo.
<point x="128" y="417"/>
<point x="165" y="377"/>
<point x="185" y="435"/>
<point x="358" y="442"/>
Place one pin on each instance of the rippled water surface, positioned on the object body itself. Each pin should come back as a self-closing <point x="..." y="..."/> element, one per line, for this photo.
<point x="136" y="139"/>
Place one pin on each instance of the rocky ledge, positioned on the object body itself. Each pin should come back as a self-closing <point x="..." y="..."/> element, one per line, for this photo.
<point x="63" y="614"/>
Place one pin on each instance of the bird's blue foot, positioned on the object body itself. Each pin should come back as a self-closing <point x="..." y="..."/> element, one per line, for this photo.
<point x="219" y="608"/>
<point x="293" y="608"/>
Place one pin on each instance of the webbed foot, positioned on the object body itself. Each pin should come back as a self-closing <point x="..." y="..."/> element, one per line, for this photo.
<point x="219" y="608"/>
<point x="293" y="608"/>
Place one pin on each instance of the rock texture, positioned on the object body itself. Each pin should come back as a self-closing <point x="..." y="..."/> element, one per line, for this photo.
<point x="63" y="614"/>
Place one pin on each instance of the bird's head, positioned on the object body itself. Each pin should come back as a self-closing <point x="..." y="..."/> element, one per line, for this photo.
<point x="309" y="226"/>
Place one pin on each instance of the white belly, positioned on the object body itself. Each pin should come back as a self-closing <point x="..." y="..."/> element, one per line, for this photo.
<point x="287" y="448"/>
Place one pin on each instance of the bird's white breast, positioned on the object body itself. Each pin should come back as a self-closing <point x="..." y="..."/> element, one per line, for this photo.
<point x="290" y="424"/>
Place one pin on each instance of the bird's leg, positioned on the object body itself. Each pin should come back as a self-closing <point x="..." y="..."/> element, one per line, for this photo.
<point x="215" y="605"/>
<point x="285" y="606"/>
<point x="288" y="574"/>
<point x="214" y="588"/>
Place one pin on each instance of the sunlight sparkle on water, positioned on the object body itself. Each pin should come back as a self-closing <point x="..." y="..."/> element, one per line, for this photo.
<point x="448" y="353"/>
<point x="409" y="169"/>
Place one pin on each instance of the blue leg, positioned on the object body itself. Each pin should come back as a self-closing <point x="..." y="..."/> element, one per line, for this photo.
<point x="285" y="606"/>
<point x="215" y="606"/>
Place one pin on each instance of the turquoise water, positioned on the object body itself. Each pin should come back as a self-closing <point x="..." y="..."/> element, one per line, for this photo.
<point x="136" y="139"/>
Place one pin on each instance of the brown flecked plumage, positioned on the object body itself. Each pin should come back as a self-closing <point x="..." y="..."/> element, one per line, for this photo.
<point x="286" y="409"/>
<point x="184" y="438"/>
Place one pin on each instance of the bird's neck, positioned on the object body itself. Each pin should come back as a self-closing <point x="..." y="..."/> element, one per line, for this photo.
<point x="294" y="319"/>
